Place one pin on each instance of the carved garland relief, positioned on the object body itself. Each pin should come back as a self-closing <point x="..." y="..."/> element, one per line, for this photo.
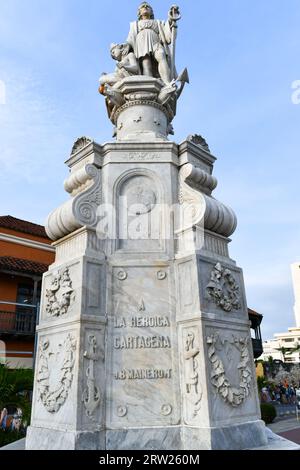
<point x="53" y="387"/>
<point x="60" y="294"/>
<point x="223" y="289"/>
<point x="234" y="396"/>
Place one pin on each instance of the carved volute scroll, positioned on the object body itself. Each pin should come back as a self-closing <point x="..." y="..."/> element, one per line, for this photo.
<point x="192" y="202"/>
<point x="195" y="188"/>
<point x="85" y="189"/>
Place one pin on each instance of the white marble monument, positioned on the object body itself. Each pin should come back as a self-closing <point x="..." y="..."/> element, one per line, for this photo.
<point x="144" y="339"/>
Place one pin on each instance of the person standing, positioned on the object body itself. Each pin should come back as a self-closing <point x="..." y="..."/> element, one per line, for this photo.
<point x="149" y="39"/>
<point x="3" y="419"/>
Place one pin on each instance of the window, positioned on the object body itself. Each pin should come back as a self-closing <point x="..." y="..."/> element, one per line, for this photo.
<point x="25" y="294"/>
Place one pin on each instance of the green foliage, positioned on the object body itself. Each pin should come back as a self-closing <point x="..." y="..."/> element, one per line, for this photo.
<point x="7" y="437"/>
<point x="261" y="382"/>
<point x="295" y="349"/>
<point x="283" y="351"/>
<point x="15" y="388"/>
<point x="268" y="412"/>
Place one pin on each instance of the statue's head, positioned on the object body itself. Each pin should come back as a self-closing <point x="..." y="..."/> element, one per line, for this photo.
<point x="119" y="50"/>
<point x="115" y="50"/>
<point x="145" y="10"/>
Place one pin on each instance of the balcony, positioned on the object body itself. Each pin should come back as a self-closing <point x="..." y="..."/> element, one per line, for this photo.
<point x="257" y="347"/>
<point x="255" y="319"/>
<point x="17" y="323"/>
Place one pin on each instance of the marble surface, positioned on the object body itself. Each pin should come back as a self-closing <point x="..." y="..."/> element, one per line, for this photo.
<point x="275" y="442"/>
<point x="49" y="439"/>
<point x="144" y="338"/>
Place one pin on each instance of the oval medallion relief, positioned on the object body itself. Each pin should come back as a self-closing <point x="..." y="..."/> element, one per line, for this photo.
<point x="139" y="194"/>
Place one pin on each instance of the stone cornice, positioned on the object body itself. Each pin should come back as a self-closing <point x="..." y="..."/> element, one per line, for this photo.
<point x="139" y="146"/>
<point x="92" y="150"/>
<point x="197" y="151"/>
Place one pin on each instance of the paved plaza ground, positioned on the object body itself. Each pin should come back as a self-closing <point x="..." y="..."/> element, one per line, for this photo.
<point x="287" y="427"/>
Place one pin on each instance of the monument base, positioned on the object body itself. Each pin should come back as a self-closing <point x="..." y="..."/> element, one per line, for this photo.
<point x="275" y="442"/>
<point x="238" y="437"/>
<point x="55" y="439"/>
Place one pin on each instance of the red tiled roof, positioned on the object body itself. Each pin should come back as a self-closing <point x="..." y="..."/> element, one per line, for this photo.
<point x="8" y="263"/>
<point x="7" y="221"/>
<point x="254" y="313"/>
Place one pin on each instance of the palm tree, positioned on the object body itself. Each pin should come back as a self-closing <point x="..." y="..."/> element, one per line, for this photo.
<point x="295" y="349"/>
<point x="283" y="351"/>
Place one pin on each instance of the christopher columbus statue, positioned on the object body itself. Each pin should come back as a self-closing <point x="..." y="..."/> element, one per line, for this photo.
<point x="145" y="72"/>
<point x="150" y="38"/>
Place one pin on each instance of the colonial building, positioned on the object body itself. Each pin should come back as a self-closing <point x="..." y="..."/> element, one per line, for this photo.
<point x="25" y="254"/>
<point x="255" y="320"/>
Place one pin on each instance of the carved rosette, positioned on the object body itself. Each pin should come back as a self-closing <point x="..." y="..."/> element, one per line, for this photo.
<point x="234" y="396"/>
<point x="60" y="294"/>
<point x="223" y="289"/>
<point x="53" y="391"/>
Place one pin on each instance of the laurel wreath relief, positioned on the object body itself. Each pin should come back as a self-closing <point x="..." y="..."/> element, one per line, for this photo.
<point x="53" y="397"/>
<point x="235" y="396"/>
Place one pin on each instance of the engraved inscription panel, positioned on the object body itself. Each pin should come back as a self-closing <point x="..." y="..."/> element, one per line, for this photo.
<point x="142" y="343"/>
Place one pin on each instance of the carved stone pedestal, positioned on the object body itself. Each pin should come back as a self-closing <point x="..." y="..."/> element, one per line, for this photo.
<point x="144" y="339"/>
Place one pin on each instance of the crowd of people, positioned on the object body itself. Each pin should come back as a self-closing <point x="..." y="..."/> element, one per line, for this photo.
<point x="11" y="422"/>
<point x="283" y="392"/>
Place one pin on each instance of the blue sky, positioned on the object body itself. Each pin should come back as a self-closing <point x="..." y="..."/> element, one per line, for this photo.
<point x="242" y="57"/>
